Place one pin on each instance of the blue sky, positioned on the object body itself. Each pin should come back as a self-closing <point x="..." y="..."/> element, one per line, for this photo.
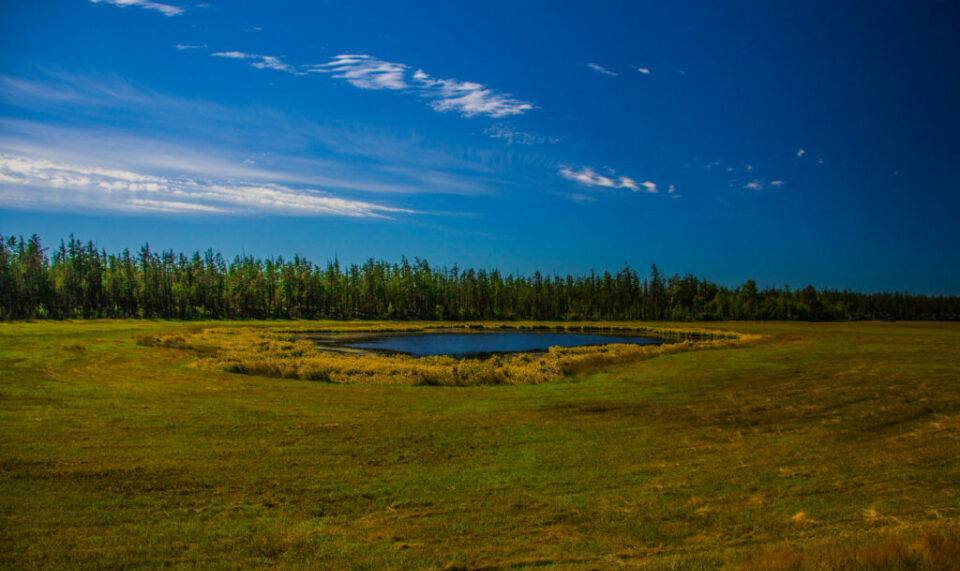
<point x="791" y="143"/>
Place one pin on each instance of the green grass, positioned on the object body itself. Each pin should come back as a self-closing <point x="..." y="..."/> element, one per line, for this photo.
<point x="822" y="445"/>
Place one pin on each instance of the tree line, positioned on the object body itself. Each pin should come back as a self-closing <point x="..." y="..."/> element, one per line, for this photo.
<point x="78" y="280"/>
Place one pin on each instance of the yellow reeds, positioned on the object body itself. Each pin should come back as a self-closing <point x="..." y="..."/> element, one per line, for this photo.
<point x="279" y="352"/>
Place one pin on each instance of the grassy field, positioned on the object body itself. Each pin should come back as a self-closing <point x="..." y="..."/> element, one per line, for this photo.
<point x="820" y="445"/>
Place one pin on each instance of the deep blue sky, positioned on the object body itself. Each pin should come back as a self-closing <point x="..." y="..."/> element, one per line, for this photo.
<point x="792" y="143"/>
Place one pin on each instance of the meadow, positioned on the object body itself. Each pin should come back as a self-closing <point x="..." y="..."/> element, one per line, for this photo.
<point x="792" y="446"/>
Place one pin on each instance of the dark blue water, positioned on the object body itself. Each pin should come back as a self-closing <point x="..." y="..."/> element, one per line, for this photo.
<point x="490" y="343"/>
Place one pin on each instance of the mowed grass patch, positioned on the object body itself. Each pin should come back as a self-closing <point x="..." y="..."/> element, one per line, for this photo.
<point x="821" y="444"/>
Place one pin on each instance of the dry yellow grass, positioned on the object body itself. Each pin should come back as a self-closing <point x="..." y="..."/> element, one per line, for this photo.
<point x="279" y="352"/>
<point x="935" y="547"/>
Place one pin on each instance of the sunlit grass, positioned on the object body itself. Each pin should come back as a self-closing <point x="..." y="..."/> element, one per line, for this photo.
<point x="817" y="446"/>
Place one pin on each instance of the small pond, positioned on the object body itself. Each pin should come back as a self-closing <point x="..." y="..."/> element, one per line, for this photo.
<point x="481" y="344"/>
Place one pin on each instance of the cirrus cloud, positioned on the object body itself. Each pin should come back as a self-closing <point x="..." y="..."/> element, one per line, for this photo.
<point x="165" y="9"/>
<point x="30" y="182"/>
<point x="601" y="70"/>
<point x="259" y="61"/>
<point x="468" y="98"/>
<point x="362" y="71"/>
<point x="365" y="72"/>
<point x="589" y="177"/>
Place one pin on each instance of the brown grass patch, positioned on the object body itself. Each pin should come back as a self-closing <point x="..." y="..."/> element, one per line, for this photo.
<point x="932" y="547"/>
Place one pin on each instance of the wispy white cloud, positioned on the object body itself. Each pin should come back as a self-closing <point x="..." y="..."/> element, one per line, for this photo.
<point x="645" y="70"/>
<point x="465" y="97"/>
<point x="260" y="61"/>
<point x="742" y="175"/>
<point x="649" y="186"/>
<point x="270" y="62"/>
<point x="185" y="47"/>
<point x="589" y="177"/>
<point x="165" y="9"/>
<point x="511" y="135"/>
<point x="801" y="152"/>
<point x="72" y="90"/>
<point x="356" y="161"/>
<point x="365" y="72"/>
<point x="671" y="189"/>
<point x="468" y="98"/>
<point x="346" y="158"/>
<point x="600" y="69"/>
<point x="234" y="55"/>
<point x="30" y="182"/>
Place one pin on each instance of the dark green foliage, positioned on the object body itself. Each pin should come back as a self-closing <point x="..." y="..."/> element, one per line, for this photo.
<point x="80" y="281"/>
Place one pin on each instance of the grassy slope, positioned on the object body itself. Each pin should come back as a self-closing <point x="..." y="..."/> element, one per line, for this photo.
<point x="820" y="438"/>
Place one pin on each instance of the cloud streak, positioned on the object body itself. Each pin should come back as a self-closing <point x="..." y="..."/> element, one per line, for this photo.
<point x="467" y="98"/>
<point x="589" y="177"/>
<point x="72" y="91"/>
<point x="29" y="182"/>
<point x="165" y="9"/>
<point x="365" y="72"/>
<point x="601" y="70"/>
<point x="515" y="136"/>
<point x="259" y="61"/>
<point x="349" y="157"/>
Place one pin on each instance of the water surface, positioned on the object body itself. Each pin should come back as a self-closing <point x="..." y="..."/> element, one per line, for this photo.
<point x="479" y="344"/>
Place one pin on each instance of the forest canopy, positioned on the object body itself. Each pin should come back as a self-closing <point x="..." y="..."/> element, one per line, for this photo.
<point x="78" y="280"/>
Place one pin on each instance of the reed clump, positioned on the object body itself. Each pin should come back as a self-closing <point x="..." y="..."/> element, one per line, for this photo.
<point x="280" y="353"/>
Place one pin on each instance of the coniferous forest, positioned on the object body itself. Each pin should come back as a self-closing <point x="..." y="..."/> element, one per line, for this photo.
<point x="78" y="280"/>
